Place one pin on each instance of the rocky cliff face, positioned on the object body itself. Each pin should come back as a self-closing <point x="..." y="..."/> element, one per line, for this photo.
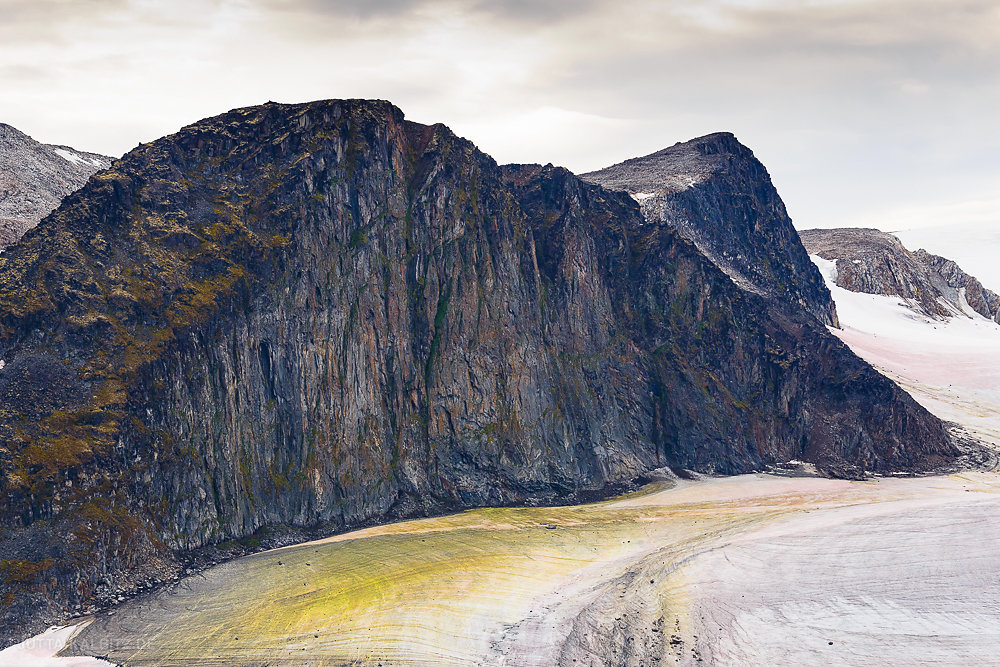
<point x="34" y="177"/>
<point x="874" y="262"/>
<point x="720" y="197"/>
<point x="326" y="315"/>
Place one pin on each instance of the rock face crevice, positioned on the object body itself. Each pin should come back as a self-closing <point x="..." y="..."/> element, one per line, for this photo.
<point x="326" y="315"/>
<point x="874" y="262"/>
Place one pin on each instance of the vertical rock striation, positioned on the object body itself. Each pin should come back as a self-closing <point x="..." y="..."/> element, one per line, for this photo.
<point x="326" y="315"/>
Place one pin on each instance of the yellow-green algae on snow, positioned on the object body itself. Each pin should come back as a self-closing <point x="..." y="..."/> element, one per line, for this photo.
<point x="441" y="590"/>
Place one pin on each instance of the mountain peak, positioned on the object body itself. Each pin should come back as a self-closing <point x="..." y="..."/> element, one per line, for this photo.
<point x="674" y="168"/>
<point x="7" y="131"/>
<point x="682" y="186"/>
<point x="716" y="143"/>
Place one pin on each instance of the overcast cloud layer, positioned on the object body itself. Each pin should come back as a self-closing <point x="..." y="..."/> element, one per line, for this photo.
<point x="880" y="112"/>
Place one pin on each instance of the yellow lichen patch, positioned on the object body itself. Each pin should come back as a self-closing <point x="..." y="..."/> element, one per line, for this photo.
<point x="22" y="572"/>
<point x="200" y="299"/>
<point x="66" y="439"/>
<point x="278" y="241"/>
<point x="141" y="348"/>
<point x="26" y="303"/>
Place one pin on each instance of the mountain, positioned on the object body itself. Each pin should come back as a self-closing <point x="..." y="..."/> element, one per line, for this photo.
<point x="323" y="315"/>
<point x="920" y="320"/>
<point x="874" y="262"/>
<point x="720" y="197"/>
<point x="970" y="243"/>
<point x="34" y="177"/>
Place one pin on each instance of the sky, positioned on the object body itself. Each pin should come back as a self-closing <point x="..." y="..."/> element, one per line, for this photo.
<point x="878" y="113"/>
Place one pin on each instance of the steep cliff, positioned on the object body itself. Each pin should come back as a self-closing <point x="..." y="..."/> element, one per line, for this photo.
<point x="326" y="315"/>
<point x="34" y="177"/>
<point x="720" y="197"/>
<point x="874" y="262"/>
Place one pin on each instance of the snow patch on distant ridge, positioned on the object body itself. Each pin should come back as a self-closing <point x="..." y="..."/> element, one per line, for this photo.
<point x="72" y="157"/>
<point x="78" y="159"/>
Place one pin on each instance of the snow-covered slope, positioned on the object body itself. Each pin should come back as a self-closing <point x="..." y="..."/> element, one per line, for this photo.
<point x="950" y="366"/>
<point x="43" y="650"/>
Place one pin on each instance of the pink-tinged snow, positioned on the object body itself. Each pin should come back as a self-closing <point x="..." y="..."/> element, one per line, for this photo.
<point x="41" y="650"/>
<point x="951" y="367"/>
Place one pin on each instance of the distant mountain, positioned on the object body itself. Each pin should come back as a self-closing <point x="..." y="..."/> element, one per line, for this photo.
<point x="720" y="197"/>
<point x="323" y="315"/>
<point x="874" y="262"/>
<point x="34" y="177"/>
<point x="973" y="244"/>
<point x="920" y="319"/>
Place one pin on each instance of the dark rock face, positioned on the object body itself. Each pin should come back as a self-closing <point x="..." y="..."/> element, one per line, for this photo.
<point x="325" y="315"/>
<point x="34" y="177"/>
<point x="720" y="197"/>
<point x="875" y="262"/>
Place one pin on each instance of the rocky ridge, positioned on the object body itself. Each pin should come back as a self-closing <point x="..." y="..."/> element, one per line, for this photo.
<point x="874" y="262"/>
<point x="323" y="315"/>
<point x="34" y="177"/>
<point x="720" y="197"/>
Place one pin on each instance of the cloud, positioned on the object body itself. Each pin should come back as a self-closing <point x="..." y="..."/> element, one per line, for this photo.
<point x="520" y="11"/>
<point x="983" y="213"/>
<point x="364" y="9"/>
<point x="545" y="134"/>
<point x="41" y="21"/>
<point x="853" y="105"/>
<point x="24" y="73"/>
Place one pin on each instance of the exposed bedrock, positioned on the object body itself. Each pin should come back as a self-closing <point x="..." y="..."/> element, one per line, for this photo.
<point x="875" y="262"/>
<point x="720" y="197"/>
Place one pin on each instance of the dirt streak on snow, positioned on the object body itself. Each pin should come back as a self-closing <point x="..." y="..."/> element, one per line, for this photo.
<point x="896" y="583"/>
